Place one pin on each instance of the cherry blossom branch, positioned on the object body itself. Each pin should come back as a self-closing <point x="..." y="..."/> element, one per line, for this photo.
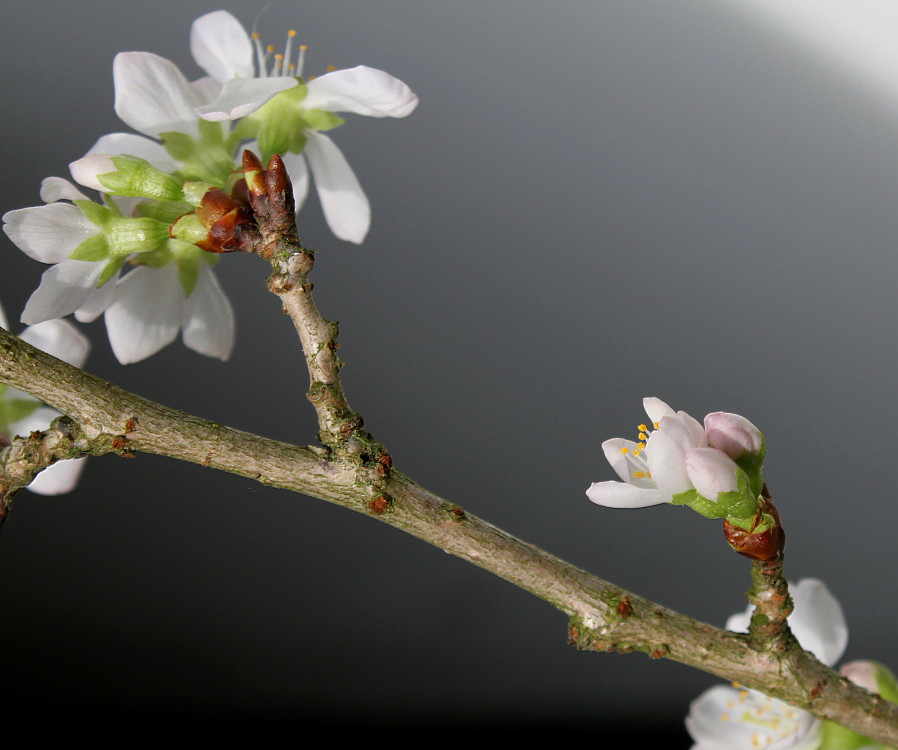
<point x="603" y="617"/>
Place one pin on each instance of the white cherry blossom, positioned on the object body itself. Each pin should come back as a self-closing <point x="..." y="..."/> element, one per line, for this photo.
<point x="733" y="718"/>
<point x="226" y="52"/>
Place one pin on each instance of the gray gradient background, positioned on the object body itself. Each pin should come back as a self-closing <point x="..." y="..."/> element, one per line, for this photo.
<point x="594" y="202"/>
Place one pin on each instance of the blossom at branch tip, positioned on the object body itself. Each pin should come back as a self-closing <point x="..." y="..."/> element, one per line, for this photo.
<point x="733" y="718"/>
<point x="21" y="413"/>
<point x="672" y="462"/>
<point x="286" y="114"/>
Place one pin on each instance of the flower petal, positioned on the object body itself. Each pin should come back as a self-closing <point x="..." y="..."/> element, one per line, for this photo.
<point x="221" y="46"/>
<point x="622" y="495"/>
<point x="97" y="301"/>
<point x="656" y="409"/>
<point x="63" y="289"/>
<point x="134" y="145"/>
<point x="59" y="189"/>
<point x="208" y="317"/>
<point x="362" y="91"/>
<point x="146" y="314"/>
<point x="60" y="339"/>
<point x="732" y="434"/>
<point x="48" y="233"/>
<point x="59" y="478"/>
<point x="85" y="170"/>
<point x="616" y="451"/>
<point x="711" y="472"/>
<point x="152" y="95"/>
<point x="206" y="88"/>
<point x="4" y="323"/>
<point x="716" y="722"/>
<point x="817" y="620"/>
<point x="345" y="206"/>
<point x="299" y="174"/>
<point x="240" y="97"/>
<point x="665" y="453"/>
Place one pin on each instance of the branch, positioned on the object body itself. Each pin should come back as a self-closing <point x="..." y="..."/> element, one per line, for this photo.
<point x="603" y="617"/>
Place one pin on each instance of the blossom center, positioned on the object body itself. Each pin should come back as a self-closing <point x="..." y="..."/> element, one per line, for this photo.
<point x="282" y="64"/>
<point x="766" y="719"/>
<point x="637" y="466"/>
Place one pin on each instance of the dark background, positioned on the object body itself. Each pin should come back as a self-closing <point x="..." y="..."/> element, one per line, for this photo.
<point x="594" y="202"/>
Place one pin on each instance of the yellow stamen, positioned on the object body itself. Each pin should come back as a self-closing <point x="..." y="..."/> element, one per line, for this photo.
<point x="624" y="450"/>
<point x="724" y="717"/>
<point x="743" y="694"/>
<point x="330" y="68"/>
<point x="642" y="436"/>
<point x="655" y="425"/>
<point x="639" y="474"/>
<point x="292" y="32"/>
<point x="254" y="36"/>
<point x="641" y="427"/>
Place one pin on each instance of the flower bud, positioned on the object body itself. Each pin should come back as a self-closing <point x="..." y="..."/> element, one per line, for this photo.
<point x="132" y="177"/>
<point x="733" y="434"/>
<point x="764" y="539"/>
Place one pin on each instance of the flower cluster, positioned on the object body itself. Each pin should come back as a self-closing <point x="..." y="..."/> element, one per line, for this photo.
<point x="153" y="215"/>
<point x="21" y="414"/>
<point x="733" y="718"/>
<point x="713" y="468"/>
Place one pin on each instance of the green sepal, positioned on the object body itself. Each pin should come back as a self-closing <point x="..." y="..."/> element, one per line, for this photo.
<point x="188" y="257"/>
<point x="188" y="273"/>
<point x="94" y="212"/>
<point x="836" y="737"/>
<point x="886" y="683"/>
<point x="15" y="409"/>
<point x="189" y="229"/>
<point x="166" y="212"/>
<point x="207" y="158"/>
<point x="94" y="248"/>
<point x="742" y="502"/>
<point x="109" y="270"/>
<point x="750" y="463"/>
<point x="701" y="505"/>
<point x="319" y="119"/>
<point x="281" y="123"/>
<point x="137" y="178"/>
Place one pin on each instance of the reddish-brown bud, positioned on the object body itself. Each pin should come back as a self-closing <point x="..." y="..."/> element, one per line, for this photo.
<point x="229" y="221"/>
<point x="764" y="545"/>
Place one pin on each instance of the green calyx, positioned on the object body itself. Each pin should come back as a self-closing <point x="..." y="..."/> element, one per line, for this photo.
<point x="750" y="463"/>
<point x="119" y="237"/>
<point x="137" y="178"/>
<point x="208" y="158"/>
<point x="738" y="506"/>
<point x="281" y="123"/>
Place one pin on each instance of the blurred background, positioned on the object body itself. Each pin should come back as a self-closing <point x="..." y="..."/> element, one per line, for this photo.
<point x="594" y="202"/>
